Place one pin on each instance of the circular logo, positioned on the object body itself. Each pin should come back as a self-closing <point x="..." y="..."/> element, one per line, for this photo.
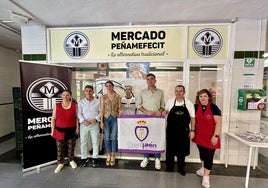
<point x="76" y="45"/>
<point x="207" y="43"/>
<point x="43" y="93"/>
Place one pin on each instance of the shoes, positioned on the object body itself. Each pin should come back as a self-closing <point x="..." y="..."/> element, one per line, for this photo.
<point x="169" y="170"/>
<point x="144" y="162"/>
<point x="108" y="160"/>
<point x="84" y="162"/>
<point x="95" y="163"/>
<point x="73" y="164"/>
<point x="205" y="182"/>
<point x="157" y="164"/>
<point x="182" y="172"/>
<point x="112" y="162"/>
<point x="169" y="167"/>
<point x="200" y="172"/>
<point x="58" y="169"/>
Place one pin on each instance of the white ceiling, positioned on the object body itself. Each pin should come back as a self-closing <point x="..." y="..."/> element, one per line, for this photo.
<point x="70" y="13"/>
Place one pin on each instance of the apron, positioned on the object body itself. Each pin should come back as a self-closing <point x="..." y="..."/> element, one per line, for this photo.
<point x="177" y="136"/>
<point x="205" y="127"/>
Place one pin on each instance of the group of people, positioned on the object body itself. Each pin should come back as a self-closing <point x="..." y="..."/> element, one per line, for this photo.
<point x="205" y="121"/>
<point x="199" y="122"/>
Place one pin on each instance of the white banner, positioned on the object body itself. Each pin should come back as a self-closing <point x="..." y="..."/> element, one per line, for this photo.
<point x="141" y="134"/>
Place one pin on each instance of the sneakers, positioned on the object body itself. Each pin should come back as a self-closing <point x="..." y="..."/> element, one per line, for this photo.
<point x="60" y="166"/>
<point x="73" y="164"/>
<point x="144" y="162"/>
<point x="157" y="164"/>
<point x="205" y="182"/>
<point x="200" y="172"/>
<point x="95" y="163"/>
<point x="58" y="169"/>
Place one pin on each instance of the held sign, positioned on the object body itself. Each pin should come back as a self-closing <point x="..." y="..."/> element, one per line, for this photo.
<point x="141" y="134"/>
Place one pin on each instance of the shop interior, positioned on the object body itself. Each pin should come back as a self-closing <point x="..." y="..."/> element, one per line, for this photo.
<point x="169" y="74"/>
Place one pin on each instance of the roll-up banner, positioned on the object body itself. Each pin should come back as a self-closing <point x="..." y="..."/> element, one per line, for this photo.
<point x="41" y="87"/>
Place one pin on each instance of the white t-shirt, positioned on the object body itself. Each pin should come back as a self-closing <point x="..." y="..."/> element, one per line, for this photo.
<point x="128" y="105"/>
<point x="189" y="105"/>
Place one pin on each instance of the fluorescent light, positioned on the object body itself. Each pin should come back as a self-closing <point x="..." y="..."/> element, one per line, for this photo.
<point x="210" y="68"/>
<point x="10" y="28"/>
<point x="19" y="18"/>
<point x="118" y="67"/>
<point x="6" y="21"/>
<point x="167" y="68"/>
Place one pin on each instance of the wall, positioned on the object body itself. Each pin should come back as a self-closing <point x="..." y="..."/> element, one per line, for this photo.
<point x="250" y="37"/>
<point x="34" y="43"/>
<point x="10" y="77"/>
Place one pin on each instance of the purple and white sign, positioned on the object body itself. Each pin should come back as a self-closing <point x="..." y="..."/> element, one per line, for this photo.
<point x="141" y="134"/>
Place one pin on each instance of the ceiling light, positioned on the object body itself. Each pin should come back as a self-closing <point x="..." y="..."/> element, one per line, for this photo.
<point x="10" y="28"/>
<point x="118" y="67"/>
<point x="210" y="68"/>
<point x="19" y="18"/>
<point x="166" y="68"/>
<point x="6" y="21"/>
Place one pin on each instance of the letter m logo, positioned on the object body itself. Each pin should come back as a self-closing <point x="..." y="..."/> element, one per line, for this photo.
<point x="49" y="90"/>
<point x="207" y="38"/>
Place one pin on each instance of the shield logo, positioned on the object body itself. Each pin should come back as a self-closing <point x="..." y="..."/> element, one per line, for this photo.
<point x="141" y="132"/>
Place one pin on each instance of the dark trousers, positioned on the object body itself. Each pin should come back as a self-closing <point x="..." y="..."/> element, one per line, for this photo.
<point x="207" y="156"/>
<point x="62" y="145"/>
<point x="170" y="161"/>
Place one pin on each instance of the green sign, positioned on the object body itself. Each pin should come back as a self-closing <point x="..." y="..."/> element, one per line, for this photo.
<point x="249" y="62"/>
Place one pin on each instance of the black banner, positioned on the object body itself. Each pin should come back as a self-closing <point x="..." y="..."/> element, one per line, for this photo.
<point x="41" y="86"/>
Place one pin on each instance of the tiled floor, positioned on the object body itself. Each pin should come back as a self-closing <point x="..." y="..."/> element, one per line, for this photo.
<point x="125" y="174"/>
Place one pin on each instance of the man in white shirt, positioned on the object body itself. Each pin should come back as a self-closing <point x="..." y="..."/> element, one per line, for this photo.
<point x="88" y="114"/>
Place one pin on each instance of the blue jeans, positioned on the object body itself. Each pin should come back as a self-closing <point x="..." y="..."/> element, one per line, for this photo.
<point x="158" y="155"/>
<point x="110" y="134"/>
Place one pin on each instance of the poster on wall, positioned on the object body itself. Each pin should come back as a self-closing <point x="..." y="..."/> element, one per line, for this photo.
<point x="249" y="81"/>
<point x="137" y="70"/>
<point x="41" y="88"/>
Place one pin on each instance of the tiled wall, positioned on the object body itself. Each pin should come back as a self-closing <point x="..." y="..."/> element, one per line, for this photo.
<point x="34" y="57"/>
<point x="248" y="54"/>
<point x="249" y="43"/>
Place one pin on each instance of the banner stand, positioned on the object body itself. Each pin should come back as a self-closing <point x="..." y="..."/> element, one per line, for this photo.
<point x="40" y="90"/>
<point x="38" y="167"/>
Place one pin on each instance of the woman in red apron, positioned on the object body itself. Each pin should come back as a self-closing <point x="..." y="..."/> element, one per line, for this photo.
<point x="207" y="132"/>
<point x="64" y="128"/>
